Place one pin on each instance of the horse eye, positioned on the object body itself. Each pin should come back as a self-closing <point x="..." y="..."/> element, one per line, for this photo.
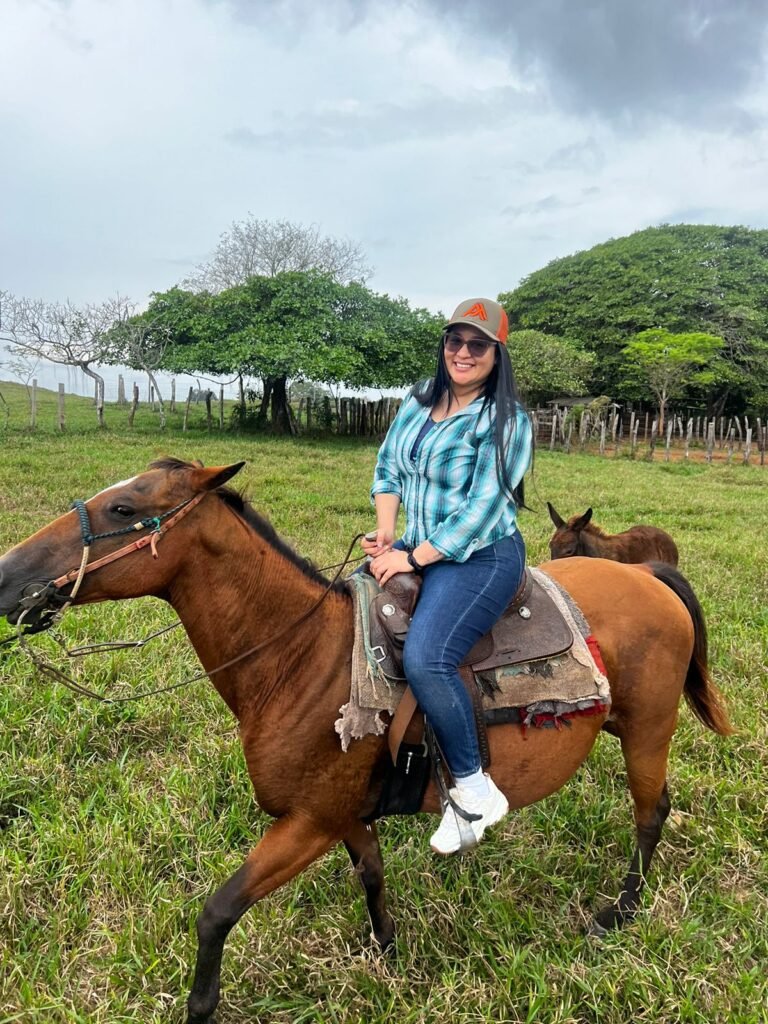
<point x="124" y="511"/>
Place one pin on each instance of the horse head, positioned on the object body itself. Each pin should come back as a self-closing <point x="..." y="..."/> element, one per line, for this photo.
<point x="566" y="540"/>
<point x="78" y="557"/>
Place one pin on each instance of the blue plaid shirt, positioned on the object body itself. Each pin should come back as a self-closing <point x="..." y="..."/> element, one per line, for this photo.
<point x="450" y="492"/>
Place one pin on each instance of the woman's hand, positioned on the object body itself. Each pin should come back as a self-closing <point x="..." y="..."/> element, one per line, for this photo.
<point x="383" y="542"/>
<point x="388" y="564"/>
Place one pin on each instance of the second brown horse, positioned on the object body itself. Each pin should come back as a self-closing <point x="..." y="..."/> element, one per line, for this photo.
<point x="580" y="536"/>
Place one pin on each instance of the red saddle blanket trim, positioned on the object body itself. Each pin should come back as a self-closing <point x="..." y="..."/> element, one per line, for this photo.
<point x="594" y="650"/>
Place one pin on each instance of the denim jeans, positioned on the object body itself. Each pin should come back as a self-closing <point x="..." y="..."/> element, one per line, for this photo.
<point x="459" y="603"/>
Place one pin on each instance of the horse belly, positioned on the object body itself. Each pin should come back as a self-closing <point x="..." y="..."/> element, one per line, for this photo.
<point x="529" y="765"/>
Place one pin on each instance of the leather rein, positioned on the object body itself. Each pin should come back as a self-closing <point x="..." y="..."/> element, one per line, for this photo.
<point x="42" y="599"/>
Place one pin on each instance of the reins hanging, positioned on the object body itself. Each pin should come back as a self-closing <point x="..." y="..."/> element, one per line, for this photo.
<point x="46" y="668"/>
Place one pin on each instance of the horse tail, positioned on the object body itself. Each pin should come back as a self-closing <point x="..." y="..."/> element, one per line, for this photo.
<point x="704" y="698"/>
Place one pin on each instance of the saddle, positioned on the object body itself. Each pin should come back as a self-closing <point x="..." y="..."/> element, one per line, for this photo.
<point x="531" y="629"/>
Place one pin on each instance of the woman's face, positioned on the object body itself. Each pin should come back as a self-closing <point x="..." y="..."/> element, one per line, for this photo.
<point x="468" y="368"/>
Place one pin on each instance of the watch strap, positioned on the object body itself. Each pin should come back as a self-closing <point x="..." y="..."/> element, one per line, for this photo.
<point x="418" y="569"/>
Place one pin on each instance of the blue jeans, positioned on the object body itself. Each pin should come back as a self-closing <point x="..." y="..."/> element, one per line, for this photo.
<point x="459" y="603"/>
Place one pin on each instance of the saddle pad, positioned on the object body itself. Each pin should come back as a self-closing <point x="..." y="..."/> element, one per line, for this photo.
<point x="571" y="680"/>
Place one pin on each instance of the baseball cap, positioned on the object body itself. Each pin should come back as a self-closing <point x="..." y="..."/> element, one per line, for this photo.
<point x="485" y="314"/>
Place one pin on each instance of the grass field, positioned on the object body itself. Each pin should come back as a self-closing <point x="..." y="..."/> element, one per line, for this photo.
<point x="117" y="821"/>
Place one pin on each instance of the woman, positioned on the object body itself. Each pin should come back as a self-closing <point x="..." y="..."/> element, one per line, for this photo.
<point x="455" y="457"/>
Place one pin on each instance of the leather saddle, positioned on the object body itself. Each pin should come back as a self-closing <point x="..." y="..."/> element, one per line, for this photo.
<point x="531" y="629"/>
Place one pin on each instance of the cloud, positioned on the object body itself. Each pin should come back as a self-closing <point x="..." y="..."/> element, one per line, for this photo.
<point x="550" y="204"/>
<point x="628" y="62"/>
<point x="374" y="124"/>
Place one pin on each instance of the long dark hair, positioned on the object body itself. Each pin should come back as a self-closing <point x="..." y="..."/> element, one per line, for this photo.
<point x="500" y="391"/>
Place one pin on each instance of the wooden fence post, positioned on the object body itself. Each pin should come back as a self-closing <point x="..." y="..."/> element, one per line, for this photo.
<point x="208" y="414"/>
<point x="134" y="404"/>
<point x="172" y="406"/>
<point x="121" y="399"/>
<point x="710" y="439"/>
<point x="688" y="432"/>
<point x="652" y="446"/>
<point x="221" y="406"/>
<point x="61" y="407"/>
<point x="747" y="445"/>
<point x="668" y="445"/>
<point x="186" y="411"/>
<point x="33" y="405"/>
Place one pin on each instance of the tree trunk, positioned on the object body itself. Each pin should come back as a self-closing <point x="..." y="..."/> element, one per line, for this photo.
<point x="281" y="415"/>
<point x="99" y="390"/>
<point x="275" y="401"/>
<point x="160" y="401"/>
<point x="261" y="417"/>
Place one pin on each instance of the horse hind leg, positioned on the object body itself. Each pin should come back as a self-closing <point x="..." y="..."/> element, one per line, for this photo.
<point x="647" y="775"/>
<point x="362" y="845"/>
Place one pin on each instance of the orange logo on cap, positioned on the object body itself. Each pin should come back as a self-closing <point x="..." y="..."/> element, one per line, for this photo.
<point x="477" y="310"/>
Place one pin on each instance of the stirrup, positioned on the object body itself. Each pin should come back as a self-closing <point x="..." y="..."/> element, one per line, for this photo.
<point x="467" y="838"/>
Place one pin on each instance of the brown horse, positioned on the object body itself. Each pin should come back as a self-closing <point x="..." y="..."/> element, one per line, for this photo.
<point x="580" y="536"/>
<point x="283" y="638"/>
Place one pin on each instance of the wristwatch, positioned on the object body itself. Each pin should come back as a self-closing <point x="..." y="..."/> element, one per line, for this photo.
<point x="418" y="569"/>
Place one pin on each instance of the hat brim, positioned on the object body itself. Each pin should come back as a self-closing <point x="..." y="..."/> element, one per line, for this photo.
<point x="472" y="322"/>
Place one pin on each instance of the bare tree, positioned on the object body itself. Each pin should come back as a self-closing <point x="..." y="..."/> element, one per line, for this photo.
<point x="59" y="332"/>
<point x="268" y="247"/>
<point x="22" y="366"/>
<point x="138" y="341"/>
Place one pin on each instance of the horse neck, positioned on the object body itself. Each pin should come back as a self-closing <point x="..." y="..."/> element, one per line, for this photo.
<point x="238" y="592"/>
<point x="594" y="543"/>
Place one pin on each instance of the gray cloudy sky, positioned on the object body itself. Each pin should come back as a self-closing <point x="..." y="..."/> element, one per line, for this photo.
<point x="463" y="144"/>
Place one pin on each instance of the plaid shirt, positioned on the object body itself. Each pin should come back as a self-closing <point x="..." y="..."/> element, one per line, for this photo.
<point x="450" y="492"/>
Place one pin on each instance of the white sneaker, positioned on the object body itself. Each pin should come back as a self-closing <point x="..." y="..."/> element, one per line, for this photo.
<point x="492" y="808"/>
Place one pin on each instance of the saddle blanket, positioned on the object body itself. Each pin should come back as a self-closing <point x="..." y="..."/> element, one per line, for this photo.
<point x="545" y="693"/>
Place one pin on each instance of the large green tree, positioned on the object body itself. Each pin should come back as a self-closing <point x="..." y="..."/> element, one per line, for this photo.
<point x="296" y="326"/>
<point x="683" y="278"/>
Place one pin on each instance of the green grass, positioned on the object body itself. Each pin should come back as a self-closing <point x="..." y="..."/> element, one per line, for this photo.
<point x="117" y="821"/>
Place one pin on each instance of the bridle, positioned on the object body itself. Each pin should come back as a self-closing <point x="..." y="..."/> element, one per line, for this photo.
<point x="160" y="526"/>
<point x="51" y="603"/>
<point x="49" y="600"/>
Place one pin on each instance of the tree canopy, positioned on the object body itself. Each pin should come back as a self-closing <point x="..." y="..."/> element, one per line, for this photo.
<point x="257" y="247"/>
<point x="666" y="363"/>
<point x="546" y="366"/>
<point x="682" y="278"/>
<point x="299" y="326"/>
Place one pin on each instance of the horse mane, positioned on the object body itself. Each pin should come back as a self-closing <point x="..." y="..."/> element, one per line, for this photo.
<point x="243" y="508"/>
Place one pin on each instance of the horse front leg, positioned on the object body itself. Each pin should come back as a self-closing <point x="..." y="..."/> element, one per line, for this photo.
<point x="288" y="846"/>
<point x="362" y="844"/>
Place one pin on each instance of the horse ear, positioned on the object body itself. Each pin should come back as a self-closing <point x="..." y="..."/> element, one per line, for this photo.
<point x="214" y="476"/>
<point x="554" y="516"/>
<point x="582" y="521"/>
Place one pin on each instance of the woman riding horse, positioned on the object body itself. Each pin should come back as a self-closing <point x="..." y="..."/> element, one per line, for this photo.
<point x="455" y="457"/>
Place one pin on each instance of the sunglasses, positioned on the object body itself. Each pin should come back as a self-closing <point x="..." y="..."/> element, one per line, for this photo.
<point x="455" y="343"/>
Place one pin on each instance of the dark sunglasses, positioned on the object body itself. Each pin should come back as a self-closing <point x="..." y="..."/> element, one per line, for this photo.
<point x="455" y="343"/>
